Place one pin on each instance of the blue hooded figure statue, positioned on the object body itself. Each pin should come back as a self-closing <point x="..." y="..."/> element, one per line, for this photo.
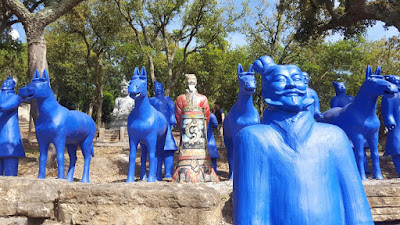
<point x="10" y="137"/>
<point x="290" y="169"/>
<point x="166" y="106"/>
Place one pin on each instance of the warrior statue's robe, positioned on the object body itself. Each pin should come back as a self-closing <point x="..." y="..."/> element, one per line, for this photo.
<point x="194" y="99"/>
<point x="292" y="170"/>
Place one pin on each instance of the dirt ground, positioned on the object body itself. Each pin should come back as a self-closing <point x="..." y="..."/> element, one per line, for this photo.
<point x="110" y="164"/>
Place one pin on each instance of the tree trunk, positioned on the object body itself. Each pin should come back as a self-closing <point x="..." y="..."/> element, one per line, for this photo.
<point x="151" y="69"/>
<point x="99" y="95"/>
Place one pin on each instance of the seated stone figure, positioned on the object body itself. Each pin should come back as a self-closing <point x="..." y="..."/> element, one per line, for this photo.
<point x="341" y="99"/>
<point x="10" y="137"/>
<point x="291" y="169"/>
<point x="122" y="107"/>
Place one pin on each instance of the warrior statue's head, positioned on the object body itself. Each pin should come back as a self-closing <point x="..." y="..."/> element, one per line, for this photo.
<point x="158" y="88"/>
<point x="340" y="87"/>
<point x="306" y="78"/>
<point x="283" y="86"/>
<point x="8" y="84"/>
<point x="124" y="88"/>
<point x="191" y="82"/>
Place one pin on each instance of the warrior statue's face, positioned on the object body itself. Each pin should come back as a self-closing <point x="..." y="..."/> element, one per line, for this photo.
<point x="191" y="82"/>
<point x="158" y="88"/>
<point x="285" y="88"/>
<point x="124" y="90"/>
<point x="306" y="78"/>
<point x="8" y="84"/>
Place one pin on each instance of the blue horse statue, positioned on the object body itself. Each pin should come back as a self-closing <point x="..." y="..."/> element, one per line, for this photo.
<point x="391" y="119"/>
<point x="341" y="99"/>
<point x="212" y="145"/>
<point x="11" y="147"/>
<point x="166" y="106"/>
<point x="60" y="126"/>
<point x="242" y="114"/>
<point x="147" y="127"/>
<point x="359" y="120"/>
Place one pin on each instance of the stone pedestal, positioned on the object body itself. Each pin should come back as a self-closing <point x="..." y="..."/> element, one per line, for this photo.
<point x="194" y="163"/>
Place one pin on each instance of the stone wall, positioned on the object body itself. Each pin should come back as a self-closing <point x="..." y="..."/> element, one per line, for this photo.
<point x="51" y="201"/>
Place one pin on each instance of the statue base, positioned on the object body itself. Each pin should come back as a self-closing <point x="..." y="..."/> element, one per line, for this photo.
<point x="192" y="170"/>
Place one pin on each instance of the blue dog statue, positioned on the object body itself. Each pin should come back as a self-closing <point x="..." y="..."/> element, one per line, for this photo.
<point x="391" y="119"/>
<point x="315" y="108"/>
<point x="341" y="99"/>
<point x="166" y="106"/>
<point x="242" y="114"/>
<point x="212" y="145"/>
<point x="290" y="169"/>
<point x="10" y="137"/>
<point x="359" y="120"/>
<point x="60" y="126"/>
<point x="147" y="127"/>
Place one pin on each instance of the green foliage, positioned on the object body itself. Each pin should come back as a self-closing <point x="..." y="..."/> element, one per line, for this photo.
<point x="108" y="105"/>
<point x="13" y="62"/>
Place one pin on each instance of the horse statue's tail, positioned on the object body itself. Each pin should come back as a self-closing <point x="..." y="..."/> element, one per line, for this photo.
<point x="92" y="152"/>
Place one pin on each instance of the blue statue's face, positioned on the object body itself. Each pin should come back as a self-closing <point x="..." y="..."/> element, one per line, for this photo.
<point x="137" y="88"/>
<point x="306" y="78"/>
<point x="8" y="84"/>
<point x="340" y="87"/>
<point x="38" y="88"/>
<point x="247" y="83"/>
<point x="158" y="88"/>
<point x="285" y="88"/>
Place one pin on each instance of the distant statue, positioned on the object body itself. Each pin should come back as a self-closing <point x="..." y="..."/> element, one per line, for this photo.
<point x="166" y="106"/>
<point x="60" y="126"/>
<point x="10" y="136"/>
<point x="290" y="169"/>
<point x="147" y="127"/>
<point x="212" y="145"/>
<point x="192" y="114"/>
<point x="391" y="119"/>
<point x="242" y="114"/>
<point x="122" y="107"/>
<point x="359" y="120"/>
<point x="341" y="99"/>
<point x="315" y="108"/>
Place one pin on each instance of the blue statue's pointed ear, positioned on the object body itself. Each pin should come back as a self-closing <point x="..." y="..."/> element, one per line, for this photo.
<point x="368" y="72"/>
<point x="240" y="69"/>
<point x="36" y="74"/>
<point x="45" y="75"/>
<point x="378" y="71"/>
<point x="251" y="69"/>
<point x="143" y="74"/>
<point x="135" y="72"/>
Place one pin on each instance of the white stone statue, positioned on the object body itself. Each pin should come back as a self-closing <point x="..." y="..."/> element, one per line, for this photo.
<point x="122" y="107"/>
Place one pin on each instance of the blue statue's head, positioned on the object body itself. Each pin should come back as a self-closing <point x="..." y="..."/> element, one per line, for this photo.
<point x="379" y="85"/>
<point x="8" y="84"/>
<point x="138" y="85"/>
<point x="306" y="78"/>
<point x="340" y="87"/>
<point x="393" y="79"/>
<point x="158" y="88"/>
<point x="283" y="86"/>
<point x="247" y="81"/>
<point x="38" y="88"/>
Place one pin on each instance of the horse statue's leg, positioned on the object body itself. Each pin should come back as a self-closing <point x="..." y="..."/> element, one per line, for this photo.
<point x="153" y="162"/>
<point x="87" y="151"/>
<point x="358" y="142"/>
<point x="143" y="160"/>
<point x="133" y="143"/>
<point x="229" y="151"/>
<point x="43" y="148"/>
<point x="373" y="146"/>
<point x="72" y="162"/>
<point x="59" y="143"/>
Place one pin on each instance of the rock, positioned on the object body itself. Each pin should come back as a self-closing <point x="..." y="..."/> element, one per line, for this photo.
<point x="14" y="221"/>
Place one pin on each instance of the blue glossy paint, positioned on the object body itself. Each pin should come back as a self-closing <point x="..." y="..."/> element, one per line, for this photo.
<point x="391" y="119"/>
<point x="341" y="99"/>
<point x="315" y="107"/>
<point x="147" y="127"/>
<point x="359" y="120"/>
<point x="11" y="147"/>
<point x="290" y="169"/>
<point x="60" y="126"/>
<point x="166" y="106"/>
<point x="242" y="114"/>
<point x="212" y="145"/>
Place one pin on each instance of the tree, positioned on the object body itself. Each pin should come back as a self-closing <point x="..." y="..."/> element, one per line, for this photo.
<point x="348" y="16"/>
<point x="202" y="22"/>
